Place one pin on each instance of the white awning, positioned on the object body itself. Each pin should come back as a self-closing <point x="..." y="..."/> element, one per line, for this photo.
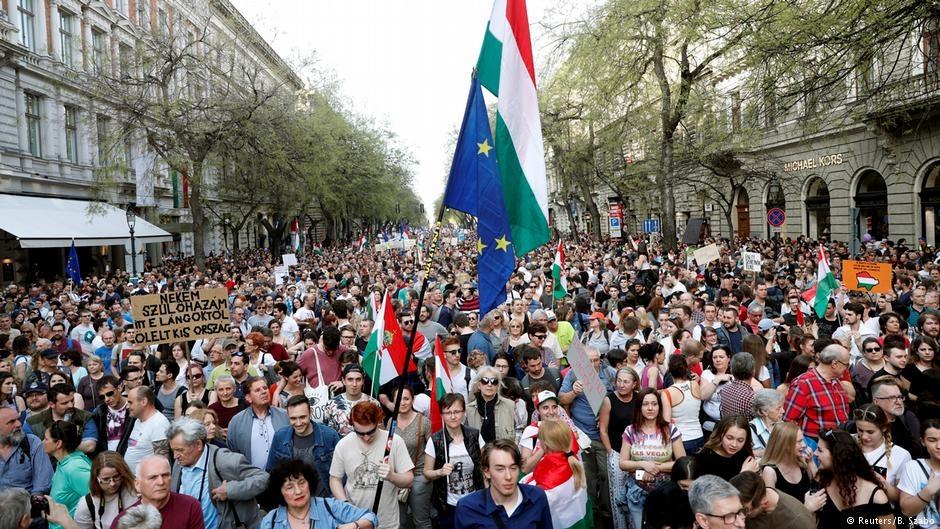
<point x="43" y="222"/>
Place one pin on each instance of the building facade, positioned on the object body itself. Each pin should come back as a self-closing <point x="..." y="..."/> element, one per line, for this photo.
<point x="53" y="128"/>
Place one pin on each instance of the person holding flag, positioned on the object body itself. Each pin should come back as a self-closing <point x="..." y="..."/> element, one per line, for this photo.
<point x="451" y="460"/>
<point x="561" y="475"/>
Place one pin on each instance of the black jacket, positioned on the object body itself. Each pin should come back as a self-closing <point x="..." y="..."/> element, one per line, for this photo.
<point x="471" y="437"/>
<point x="100" y="416"/>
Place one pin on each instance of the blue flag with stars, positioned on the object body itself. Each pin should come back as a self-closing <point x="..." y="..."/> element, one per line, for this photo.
<point x="71" y="267"/>
<point x="474" y="187"/>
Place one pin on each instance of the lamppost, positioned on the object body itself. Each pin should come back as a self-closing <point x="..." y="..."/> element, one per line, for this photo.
<point x="226" y="226"/>
<point x="131" y="221"/>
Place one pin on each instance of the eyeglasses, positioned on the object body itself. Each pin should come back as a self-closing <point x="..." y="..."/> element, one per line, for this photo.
<point x="872" y="349"/>
<point x="453" y="351"/>
<point x="138" y="379"/>
<point x="846" y="364"/>
<point x="729" y="518"/>
<point x="195" y="376"/>
<point x="497" y="317"/>
<point x="891" y="397"/>
<point x="407" y="322"/>
<point x="366" y="434"/>
<point x="107" y="394"/>
<point x="114" y="479"/>
<point x="540" y="336"/>
<point x="452" y="413"/>
<point x="489" y="381"/>
<point x="353" y="337"/>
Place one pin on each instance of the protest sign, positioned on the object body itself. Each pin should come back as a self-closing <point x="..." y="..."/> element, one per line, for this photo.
<point x="867" y="277"/>
<point x="752" y="262"/>
<point x="707" y="254"/>
<point x="594" y="388"/>
<point x="289" y="259"/>
<point x="180" y="316"/>
<point x="280" y="272"/>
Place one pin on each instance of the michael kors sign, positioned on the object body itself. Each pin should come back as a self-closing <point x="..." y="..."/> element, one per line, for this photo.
<point x="825" y="160"/>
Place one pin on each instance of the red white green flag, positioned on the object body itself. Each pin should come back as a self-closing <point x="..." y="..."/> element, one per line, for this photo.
<point x="818" y="294"/>
<point x="568" y="503"/>
<point x="443" y="385"/>
<point x="506" y="68"/>
<point x="384" y="355"/>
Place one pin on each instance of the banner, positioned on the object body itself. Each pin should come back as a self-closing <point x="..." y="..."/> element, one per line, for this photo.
<point x="752" y="262"/>
<point x="180" y="316"/>
<point x="707" y="254"/>
<point x="867" y="277"/>
<point x="289" y="259"/>
<point x="280" y="273"/>
<point x="594" y="388"/>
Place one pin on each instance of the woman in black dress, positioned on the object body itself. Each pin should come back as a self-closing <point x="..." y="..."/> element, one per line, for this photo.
<point x="855" y="497"/>
<point x="728" y="450"/>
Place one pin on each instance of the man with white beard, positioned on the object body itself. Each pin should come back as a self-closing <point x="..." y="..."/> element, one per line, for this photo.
<point x="23" y="462"/>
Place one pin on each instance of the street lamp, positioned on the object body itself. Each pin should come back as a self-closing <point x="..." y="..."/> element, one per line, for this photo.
<point x="131" y="221"/>
<point x="226" y="226"/>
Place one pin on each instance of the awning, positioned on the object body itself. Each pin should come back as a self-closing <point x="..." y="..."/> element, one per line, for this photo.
<point x="43" y="222"/>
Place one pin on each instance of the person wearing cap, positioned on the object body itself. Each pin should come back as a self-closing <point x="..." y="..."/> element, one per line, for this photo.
<point x="340" y="407"/>
<point x="48" y="364"/>
<point x="548" y="407"/>
<point x="36" y="400"/>
<point x="23" y="462"/>
<point x="62" y="408"/>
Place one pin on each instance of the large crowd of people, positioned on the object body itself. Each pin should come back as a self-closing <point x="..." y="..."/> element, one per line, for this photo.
<point x="730" y="402"/>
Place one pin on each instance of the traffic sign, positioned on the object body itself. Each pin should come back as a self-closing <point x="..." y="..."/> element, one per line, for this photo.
<point x="776" y="217"/>
<point x="651" y="226"/>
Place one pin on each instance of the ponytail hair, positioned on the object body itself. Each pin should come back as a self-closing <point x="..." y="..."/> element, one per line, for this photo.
<point x="556" y="436"/>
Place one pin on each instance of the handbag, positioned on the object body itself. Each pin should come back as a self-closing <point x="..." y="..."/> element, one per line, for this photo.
<point x="404" y="494"/>
<point x="318" y="397"/>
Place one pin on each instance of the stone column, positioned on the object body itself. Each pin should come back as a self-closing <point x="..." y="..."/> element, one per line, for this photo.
<point x="86" y="41"/>
<point x="54" y="30"/>
<point x="22" y="133"/>
<point x="42" y="35"/>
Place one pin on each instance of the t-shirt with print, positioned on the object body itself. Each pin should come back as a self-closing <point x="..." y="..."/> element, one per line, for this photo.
<point x="650" y="447"/>
<point x="144" y="434"/>
<point x="359" y="465"/>
<point x="914" y="477"/>
<point x="85" y="336"/>
<point x="460" y="481"/>
<point x="889" y="467"/>
<point x="116" y="421"/>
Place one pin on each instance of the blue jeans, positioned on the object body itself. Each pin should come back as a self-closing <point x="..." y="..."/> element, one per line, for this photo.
<point x="692" y="447"/>
<point x="636" y="498"/>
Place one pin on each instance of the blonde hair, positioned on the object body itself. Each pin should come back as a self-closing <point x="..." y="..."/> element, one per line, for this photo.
<point x="556" y="436"/>
<point x="780" y="445"/>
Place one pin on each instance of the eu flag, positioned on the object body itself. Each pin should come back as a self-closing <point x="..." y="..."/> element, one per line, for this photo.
<point x="71" y="267"/>
<point x="474" y="187"/>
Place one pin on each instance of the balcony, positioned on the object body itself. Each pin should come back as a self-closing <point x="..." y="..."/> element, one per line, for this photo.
<point x="904" y="99"/>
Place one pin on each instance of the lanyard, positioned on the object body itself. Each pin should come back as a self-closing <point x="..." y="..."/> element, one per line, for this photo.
<point x="202" y="480"/>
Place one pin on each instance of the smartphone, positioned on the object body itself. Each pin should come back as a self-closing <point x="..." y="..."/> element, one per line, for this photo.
<point x="39" y="505"/>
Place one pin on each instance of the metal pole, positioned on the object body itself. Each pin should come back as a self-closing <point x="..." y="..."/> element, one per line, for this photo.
<point x="133" y="253"/>
<point x="409" y="352"/>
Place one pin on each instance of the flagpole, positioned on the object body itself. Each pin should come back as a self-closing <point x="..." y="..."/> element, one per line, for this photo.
<point x="409" y="352"/>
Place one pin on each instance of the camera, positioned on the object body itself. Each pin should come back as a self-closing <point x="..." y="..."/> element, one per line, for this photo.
<point x="39" y="505"/>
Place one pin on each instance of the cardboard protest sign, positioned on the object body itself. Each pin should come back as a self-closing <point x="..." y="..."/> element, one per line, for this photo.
<point x="180" y="316"/>
<point x="594" y="388"/>
<point x="280" y="272"/>
<point x="707" y="254"/>
<point x="867" y="277"/>
<point x="289" y="259"/>
<point x="752" y="261"/>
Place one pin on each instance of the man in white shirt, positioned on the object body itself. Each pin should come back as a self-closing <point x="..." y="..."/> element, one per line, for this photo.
<point x="459" y="373"/>
<point x="853" y="331"/>
<point x="149" y="434"/>
<point x="711" y="320"/>
<point x="84" y="333"/>
<point x="289" y="328"/>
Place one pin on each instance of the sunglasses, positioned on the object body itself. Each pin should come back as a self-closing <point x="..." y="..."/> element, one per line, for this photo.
<point x="872" y="349"/>
<point x="107" y="394"/>
<point x="489" y="381"/>
<point x="195" y="376"/>
<point x="453" y="351"/>
<point x="540" y="336"/>
<point x="366" y="434"/>
<point x="863" y="414"/>
<point x="407" y="322"/>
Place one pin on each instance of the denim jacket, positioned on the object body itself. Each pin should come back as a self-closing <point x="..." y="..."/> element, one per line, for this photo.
<point x="324" y="442"/>
<point x="333" y="512"/>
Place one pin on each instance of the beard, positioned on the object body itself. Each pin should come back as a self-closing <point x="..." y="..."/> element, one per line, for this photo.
<point x="12" y="439"/>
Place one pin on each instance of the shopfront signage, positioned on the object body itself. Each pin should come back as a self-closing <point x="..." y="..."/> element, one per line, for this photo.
<point x="825" y="160"/>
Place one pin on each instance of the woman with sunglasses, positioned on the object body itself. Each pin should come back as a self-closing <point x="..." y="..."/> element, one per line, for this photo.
<point x="111" y="491"/>
<point x="72" y="359"/>
<point x="73" y="468"/>
<point x="359" y="459"/>
<point x="488" y="411"/>
<point x="872" y="361"/>
<point x="450" y="460"/>
<point x="873" y="432"/>
<point x="195" y="391"/>
<point x="854" y="492"/>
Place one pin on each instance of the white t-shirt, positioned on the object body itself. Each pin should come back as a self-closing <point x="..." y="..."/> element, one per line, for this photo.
<point x="697" y="330"/>
<point x="84" y="335"/>
<point x="289" y="328"/>
<point x="144" y="434"/>
<point x="360" y="468"/>
<point x="878" y="460"/>
<point x="914" y="477"/>
<point x="460" y="481"/>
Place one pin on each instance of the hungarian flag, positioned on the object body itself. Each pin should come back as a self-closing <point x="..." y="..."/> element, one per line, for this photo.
<point x="818" y="295"/>
<point x="443" y="385"/>
<point x="559" y="281"/>
<point x="506" y="69"/>
<point x="568" y="504"/>
<point x="385" y="353"/>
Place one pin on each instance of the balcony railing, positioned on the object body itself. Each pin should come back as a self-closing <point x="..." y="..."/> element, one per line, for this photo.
<point x="911" y="94"/>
